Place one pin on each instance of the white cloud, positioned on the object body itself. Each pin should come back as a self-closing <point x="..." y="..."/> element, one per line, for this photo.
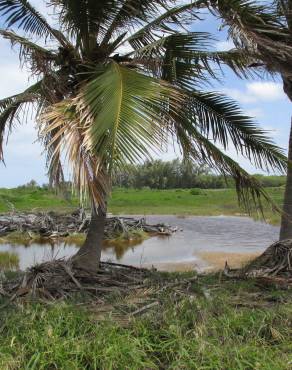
<point x="255" y="113"/>
<point x="224" y="45"/>
<point x="257" y="92"/>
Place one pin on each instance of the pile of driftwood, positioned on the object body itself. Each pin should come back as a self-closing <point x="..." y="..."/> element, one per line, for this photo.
<point x="271" y="268"/>
<point x="58" y="279"/>
<point x="275" y="261"/>
<point x="54" y="225"/>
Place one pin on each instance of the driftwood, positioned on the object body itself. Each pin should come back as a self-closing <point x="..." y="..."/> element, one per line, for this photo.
<point x="58" y="279"/>
<point x="273" y="268"/>
<point x="275" y="261"/>
<point x="54" y="225"/>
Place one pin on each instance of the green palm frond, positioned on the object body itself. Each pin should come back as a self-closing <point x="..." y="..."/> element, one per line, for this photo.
<point x="178" y="15"/>
<point x="199" y="148"/>
<point x="186" y="59"/>
<point x="84" y="19"/>
<point x="250" y="22"/>
<point x="126" y="111"/>
<point x="183" y="45"/>
<point x="22" y="14"/>
<point x="222" y="120"/>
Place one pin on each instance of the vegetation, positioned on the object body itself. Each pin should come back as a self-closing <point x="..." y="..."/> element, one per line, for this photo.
<point x="96" y="102"/>
<point x="200" y="202"/>
<point x="8" y="261"/>
<point x="178" y="174"/>
<point x="217" y="324"/>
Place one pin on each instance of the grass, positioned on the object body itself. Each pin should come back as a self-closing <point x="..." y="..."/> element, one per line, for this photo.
<point x="145" y="201"/>
<point x="219" y="325"/>
<point x="8" y="261"/>
<point x="34" y="198"/>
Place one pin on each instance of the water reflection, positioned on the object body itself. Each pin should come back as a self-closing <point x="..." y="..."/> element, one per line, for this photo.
<point x="200" y="234"/>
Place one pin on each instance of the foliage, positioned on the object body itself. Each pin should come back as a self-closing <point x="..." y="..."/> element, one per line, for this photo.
<point x="8" y="261"/>
<point x="118" y="81"/>
<point x="180" y="174"/>
<point x="220" y="325"/>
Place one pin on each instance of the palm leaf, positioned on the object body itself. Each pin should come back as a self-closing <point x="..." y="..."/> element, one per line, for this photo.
<point x="60" y="129"/>
<point x="126" y="110"/>
<point x="162" y="23"/>
<point x="221" y="118"/>
<point x="22" y="14"/>
<point x="14" y="108"/>
<point x="197" y="147"/>
<point x="38" y="58"/>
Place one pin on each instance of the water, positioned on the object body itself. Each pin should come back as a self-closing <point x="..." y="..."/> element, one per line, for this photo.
<point x="199" y="234"/>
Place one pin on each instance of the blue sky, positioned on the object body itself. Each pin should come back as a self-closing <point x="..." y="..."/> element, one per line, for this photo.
<point x="262" y="99"/>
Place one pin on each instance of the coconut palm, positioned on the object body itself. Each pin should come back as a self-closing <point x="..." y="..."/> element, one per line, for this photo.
<point x="265" y="32"/>
<point x="118" y="81"/>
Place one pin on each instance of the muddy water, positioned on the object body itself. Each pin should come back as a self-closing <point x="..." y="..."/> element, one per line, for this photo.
<point x="190" y="248"/>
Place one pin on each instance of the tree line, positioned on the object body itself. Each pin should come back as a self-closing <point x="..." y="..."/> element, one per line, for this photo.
<point x="175" y="174"/>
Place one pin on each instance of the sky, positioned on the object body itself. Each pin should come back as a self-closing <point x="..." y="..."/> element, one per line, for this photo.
<point x="262" y="99"/>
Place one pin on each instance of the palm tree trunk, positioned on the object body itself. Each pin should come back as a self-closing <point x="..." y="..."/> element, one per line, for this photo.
<point x="88" y="256"/>
<point x="286" y="223"/>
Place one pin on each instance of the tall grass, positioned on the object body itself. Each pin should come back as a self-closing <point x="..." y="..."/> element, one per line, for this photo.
<point x="8" y="261"/>
<point x="216" y="327"/>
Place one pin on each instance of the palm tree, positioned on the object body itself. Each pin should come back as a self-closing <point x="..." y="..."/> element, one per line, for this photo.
<point x="117" y="82"/>
<point x="265" y="32"/>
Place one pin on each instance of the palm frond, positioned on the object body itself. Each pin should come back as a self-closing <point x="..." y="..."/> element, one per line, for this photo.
<point x="252" y="24"/>
<point x="38" y="58"/>
<point x="126" y="111"/>
<point x="221" y="119"/>
<point x="14" y="108"/>
<point x="84" y="19"/>
<point x="178" y="15"/>
<point x="199" y="148"/>
<point x="119" y="117"/>
<point x="186" y="59"/>
<point x="193" y="67"/>
<point x="259" y="29"/>
<point x="182" y="44"/>
<point x="22" y="14"/>
<point x="63" y="134"/>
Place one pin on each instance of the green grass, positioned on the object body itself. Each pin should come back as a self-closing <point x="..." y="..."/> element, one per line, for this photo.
<point x="186" y="202"/>
<point x="26" y="199"/>
<point x="8" y="260"/>
<point x="131" y="201"/>
<point x="219" y="325"/>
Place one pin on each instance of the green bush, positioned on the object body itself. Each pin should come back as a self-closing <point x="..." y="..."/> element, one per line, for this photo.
<point x="195" y="191"/>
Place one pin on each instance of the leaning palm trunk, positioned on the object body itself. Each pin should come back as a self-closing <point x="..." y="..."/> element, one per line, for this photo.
<point x="88" y="256"/>
<point x="286" y="223"/>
